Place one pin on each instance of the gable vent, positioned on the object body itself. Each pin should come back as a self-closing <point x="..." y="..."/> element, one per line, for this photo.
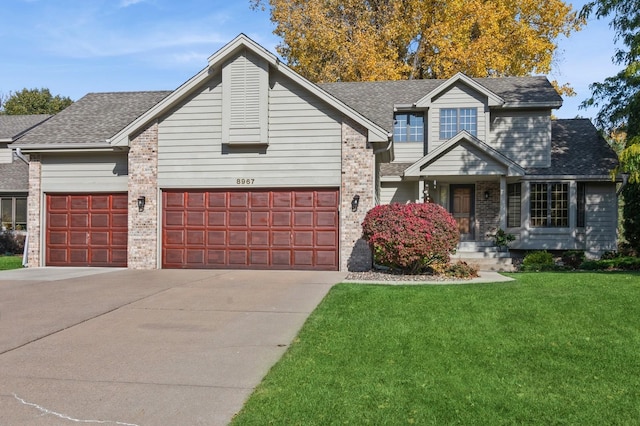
<point x="245" y="87"/>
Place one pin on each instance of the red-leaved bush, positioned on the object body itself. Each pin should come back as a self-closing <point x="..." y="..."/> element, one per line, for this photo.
<point x="412" y="237"/>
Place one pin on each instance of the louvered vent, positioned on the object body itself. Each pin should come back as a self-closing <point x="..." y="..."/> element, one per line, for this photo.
<point x="245" y="82"/>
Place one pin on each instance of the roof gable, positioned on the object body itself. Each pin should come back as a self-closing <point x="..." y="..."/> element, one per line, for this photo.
<point x="464" y="153"/>
<point x="215" y="64"/>
<point x="426" y="100"/>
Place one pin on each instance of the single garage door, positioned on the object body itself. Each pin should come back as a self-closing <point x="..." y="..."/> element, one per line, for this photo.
<point x="86" y="230"/>
<point x="259" y="229"/>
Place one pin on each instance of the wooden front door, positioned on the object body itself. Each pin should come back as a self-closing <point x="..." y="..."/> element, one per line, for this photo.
<point x="462" y="209"/>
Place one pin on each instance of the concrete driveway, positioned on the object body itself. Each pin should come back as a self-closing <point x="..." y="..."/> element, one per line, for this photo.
<point x="164" y="347"/>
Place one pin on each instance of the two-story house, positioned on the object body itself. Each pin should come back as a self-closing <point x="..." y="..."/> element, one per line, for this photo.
<point x="249" y="165"/>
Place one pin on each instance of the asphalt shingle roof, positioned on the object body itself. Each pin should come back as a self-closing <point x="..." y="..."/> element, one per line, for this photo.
<point x="375" y="99"/>
<point x="577" y="149"/>
<point x="93" y="119"/>
<point x="14" y="176"/>
<point x="12" y="126"/>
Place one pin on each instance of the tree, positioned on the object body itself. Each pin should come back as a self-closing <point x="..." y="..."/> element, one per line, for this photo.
<point x="33" y="101"/>
<point x="356" y="40"/>
<point x="618" y="98"/>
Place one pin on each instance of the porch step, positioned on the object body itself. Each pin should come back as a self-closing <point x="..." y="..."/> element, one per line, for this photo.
<point x="484" y="255"/>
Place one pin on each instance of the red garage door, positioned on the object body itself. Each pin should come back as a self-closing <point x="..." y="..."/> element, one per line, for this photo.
<point x="86" y="230"/>
<point x="285" y="229"/>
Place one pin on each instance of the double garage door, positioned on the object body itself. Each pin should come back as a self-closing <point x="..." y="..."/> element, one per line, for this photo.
<point x="260" y="229"/>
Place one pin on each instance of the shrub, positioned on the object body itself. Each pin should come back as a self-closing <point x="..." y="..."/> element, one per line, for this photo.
<point x="573" y="258"/>
<point x="461" y="269"/>
<point x="618" y="263"/>
<point x="538" y="261"/>
<point x="412" y="238"/>
<point x="11" y="243"/>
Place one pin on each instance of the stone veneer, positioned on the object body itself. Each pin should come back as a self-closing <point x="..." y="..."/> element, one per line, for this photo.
<point x="143" y="181"/>
<point x="358" y="168"/>
<point x="487" y="211"/>
<point x="34" y="209"/>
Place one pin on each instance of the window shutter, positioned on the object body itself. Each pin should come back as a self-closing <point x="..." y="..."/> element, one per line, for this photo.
<point x="245" y="84"/>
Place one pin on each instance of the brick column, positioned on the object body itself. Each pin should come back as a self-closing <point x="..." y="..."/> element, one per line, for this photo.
<point x="487" y="211"/>
<point x="358" y="170"/>
<point x="34" y="210"/>
<point x="143" y="181"/>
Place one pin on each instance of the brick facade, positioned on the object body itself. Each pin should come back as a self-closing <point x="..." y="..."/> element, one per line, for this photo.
<point x="358" y="168"/>
<point x="487" y="210"/>
<point x="34" y="209"/>
<point x="143" y="181"/>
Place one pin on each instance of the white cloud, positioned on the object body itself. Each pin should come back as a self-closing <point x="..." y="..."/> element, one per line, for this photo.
<point x="127" y="3"/>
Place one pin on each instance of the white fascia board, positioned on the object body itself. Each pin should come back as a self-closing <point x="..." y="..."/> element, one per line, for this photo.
<point x="493" y="99"/>
<point x="592" y="178"/>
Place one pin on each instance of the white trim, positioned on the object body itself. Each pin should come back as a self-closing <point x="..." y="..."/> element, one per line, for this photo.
<point x="493" y="99"/>
<point x="464" y="136"/>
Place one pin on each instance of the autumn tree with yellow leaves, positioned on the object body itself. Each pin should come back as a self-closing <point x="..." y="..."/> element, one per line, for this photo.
<point x="355" y="40"/>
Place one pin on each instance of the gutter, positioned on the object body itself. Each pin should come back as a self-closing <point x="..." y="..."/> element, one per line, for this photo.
<point x="21" y="156"/>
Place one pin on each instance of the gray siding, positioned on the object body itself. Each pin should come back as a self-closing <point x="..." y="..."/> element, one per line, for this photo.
<point x="6" y="155"/>
<point x="408" y="152"/>
<point x="91" y="172"/>
<point x="304" y="142"/>
<point x="458" y="96"/>
<point x="525" y="137"/>
<point x="462" y="161"/>
<point x="601" y="218"/>
<point x="398" y="192"/>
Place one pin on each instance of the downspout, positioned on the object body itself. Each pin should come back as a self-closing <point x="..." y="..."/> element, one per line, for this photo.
<point x="625" y="180"/>
<point x="387" y="148"/>
<point x="21" y="156"/>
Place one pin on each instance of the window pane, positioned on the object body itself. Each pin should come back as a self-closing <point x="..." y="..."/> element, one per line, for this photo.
<point x="400" y="128"/>
<point x="448" y="123"/>
<point x="469" y="120"/>
<point x="559" y="205"/>
<point x="513" y="205"/>
<point x="6" y="211"/>
<point x="538" y="210"/>
<point x="416" y="128"/>
<point x="21" y="214"/>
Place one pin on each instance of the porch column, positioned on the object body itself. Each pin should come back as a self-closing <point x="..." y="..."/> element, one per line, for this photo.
<point x="503" y="202"/>
<point x="420" y="197"/>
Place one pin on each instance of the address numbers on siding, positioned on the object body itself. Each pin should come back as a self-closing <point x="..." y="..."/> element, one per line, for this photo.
<point x="245" y="181"/>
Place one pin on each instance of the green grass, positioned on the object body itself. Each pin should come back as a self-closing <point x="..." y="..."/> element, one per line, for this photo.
<point x="549" y="348"/>
<point x="10" y="262"/>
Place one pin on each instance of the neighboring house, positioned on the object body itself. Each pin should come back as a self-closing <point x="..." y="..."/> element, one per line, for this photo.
<point x="249" y="165"/>
<point x="14" y="171"/>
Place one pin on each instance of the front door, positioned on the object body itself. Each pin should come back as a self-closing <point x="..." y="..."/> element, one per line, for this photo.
<point x="462" y="210"/>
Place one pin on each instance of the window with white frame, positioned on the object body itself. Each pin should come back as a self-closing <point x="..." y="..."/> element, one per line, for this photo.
<point x="549" y="205"/>
<point x="514" y="200"/>
<point x="453" y="120"/>
<point x="13" y="212"/>
<point x="408" y="127"/>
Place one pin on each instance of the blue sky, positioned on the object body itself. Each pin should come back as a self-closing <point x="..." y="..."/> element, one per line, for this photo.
<point x="74" y="47"/>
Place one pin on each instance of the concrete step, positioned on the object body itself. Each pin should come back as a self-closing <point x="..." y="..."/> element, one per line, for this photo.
<point x="501" y="264"/>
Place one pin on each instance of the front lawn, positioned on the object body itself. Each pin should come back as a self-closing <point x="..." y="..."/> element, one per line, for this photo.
<point x="549" y="348"/>
<point x="10" y="262"/>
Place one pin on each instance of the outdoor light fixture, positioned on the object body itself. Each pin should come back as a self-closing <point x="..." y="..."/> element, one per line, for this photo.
<point x="141" y="201"/>
<point x="355" y="202"/>
<point x="486" y="195"/>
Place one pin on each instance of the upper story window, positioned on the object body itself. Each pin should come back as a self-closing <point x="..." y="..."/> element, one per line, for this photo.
<point x="549" y="205"/>
<point x="408" y="127"/>
<point x="453" y="120"/>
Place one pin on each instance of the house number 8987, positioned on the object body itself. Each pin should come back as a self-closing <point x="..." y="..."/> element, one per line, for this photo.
<point x="244" y="181"/>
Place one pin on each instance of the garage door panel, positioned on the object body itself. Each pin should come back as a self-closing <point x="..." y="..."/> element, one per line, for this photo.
<point x="195" y="257"/>
<point x="239" y="218"/>
<point x="79" y="220"/>
<point x="86" y="230"/>
<point x="196" y="218"/>
<point x="282" y="229"/>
